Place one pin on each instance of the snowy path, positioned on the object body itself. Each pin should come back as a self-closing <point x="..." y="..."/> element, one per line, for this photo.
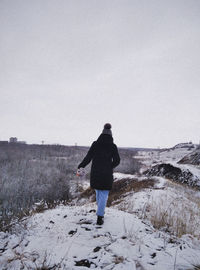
<point x="68" y="238"/>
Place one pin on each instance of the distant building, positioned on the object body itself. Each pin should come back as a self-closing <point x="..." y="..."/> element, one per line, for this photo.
<point x="13" y="140"/>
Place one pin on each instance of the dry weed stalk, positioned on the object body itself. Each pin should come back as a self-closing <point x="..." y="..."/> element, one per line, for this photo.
<point x="177" y="215"/>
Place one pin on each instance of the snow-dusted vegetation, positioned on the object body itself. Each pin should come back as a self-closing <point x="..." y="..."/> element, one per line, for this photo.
<point x="151" y="223"/>
<point x="41" y="174"/>
<point x="145" y="228"/>
<point x="31" y="174"/>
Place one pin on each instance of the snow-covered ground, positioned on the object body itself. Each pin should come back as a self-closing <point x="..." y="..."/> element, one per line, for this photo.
<point x="167" y="202"/>
<point x="118" y="176"/>
<point x="153" y="157"/>
<point x="68" y="238"/>
<point x="169" y="156"/>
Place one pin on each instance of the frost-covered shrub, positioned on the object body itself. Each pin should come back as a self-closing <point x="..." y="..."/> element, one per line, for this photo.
<point x="31" y="173"/>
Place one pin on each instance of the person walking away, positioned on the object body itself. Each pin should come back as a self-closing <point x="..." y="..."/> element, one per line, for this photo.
<point x="105" y="157"/>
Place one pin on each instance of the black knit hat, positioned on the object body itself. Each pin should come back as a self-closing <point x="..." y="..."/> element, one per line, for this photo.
<point x="107" y="129"/>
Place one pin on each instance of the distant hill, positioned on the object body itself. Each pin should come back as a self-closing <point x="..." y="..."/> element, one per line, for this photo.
<point x="189" y="145"/>
<point x="192" y="158"/>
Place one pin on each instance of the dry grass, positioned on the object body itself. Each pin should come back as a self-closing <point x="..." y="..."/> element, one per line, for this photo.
<point x="175" y="214"/>
<point x="7" y="224"/>
<point x="46" y="264"/>
<point x="194" y="267"/>
<point x="175" y="211"/>
<point x="120" y="188"/>
<point x="88" y="193"/>
<point x="118" y="259"/>
<point x="139" y="266"/>
<point x="23" y="258"/>
<point x="194" y="262"/>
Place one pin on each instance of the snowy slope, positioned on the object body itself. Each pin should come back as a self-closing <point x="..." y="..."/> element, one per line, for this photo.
<point x="195" y="170"/>
<point x="68" y="238"/>
<point x="149" y="158"/>
<point x="151" y="161"/>
<point x="192" y="158"/>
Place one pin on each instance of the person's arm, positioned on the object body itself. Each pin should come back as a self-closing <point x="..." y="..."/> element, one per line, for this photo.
<point x="87" y="158"/>
<point x="116" y="157"/>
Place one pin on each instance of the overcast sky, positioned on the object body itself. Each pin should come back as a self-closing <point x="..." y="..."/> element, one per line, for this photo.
<point x="69" y="66"/>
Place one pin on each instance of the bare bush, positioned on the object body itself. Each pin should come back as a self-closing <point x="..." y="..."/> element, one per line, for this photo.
<point x="31" y="173"/>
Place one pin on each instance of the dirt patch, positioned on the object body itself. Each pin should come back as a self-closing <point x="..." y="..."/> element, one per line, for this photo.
<point x="120" y="188"/>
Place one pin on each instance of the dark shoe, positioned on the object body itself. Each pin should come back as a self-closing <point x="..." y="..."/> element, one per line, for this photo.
<point x="99" y="220"/>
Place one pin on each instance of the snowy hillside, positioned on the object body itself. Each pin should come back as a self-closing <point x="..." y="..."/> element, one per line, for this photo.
<point x="148" y="158"/>
<point x="177" y="163"/>
<point x="192" y="158"/>
<point x="151" y="222"/>
<point x="67" y="237"/>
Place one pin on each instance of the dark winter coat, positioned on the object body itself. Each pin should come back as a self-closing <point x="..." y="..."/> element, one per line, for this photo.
<point x="105" y="158"/>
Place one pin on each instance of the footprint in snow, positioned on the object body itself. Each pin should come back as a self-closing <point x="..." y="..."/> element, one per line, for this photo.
<point x="72" y="232"/>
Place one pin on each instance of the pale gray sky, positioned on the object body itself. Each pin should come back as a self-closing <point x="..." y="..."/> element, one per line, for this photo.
<point x="69" y="66"/>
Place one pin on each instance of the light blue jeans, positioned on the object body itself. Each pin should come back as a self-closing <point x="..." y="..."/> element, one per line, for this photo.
<point x="101" y="198"/>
